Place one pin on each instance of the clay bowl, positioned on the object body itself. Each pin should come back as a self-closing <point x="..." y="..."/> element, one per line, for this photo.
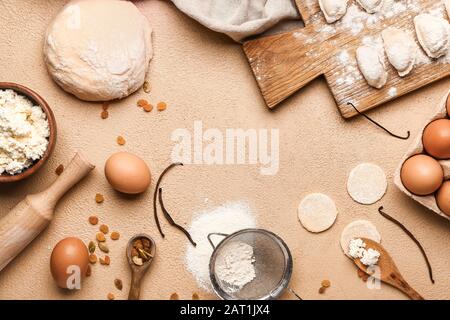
<point x="38" y="100"/>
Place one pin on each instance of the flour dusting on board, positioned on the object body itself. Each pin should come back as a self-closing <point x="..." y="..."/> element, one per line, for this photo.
<point x="357" y="19"/>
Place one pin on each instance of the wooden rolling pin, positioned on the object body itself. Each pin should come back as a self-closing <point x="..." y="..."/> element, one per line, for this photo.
<point x="33" y="214"/>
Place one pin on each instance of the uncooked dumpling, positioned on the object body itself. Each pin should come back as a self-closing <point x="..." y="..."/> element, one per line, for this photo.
<point x="400" y="49"/>
<point x="333" y="10"/>
<point x="432" y="33"/>
<point x="371" y="6"/>
<point x="99" y="50"/>
<point x="371" y="66"/>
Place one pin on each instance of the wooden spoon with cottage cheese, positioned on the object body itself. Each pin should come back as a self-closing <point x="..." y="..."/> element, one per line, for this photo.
<point x="386" y="270"/>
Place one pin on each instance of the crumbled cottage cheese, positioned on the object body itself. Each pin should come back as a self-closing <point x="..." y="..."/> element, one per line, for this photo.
<point x="357" y="250"/>
<point x="24" y="132"/>
<point x="370" y="257"/>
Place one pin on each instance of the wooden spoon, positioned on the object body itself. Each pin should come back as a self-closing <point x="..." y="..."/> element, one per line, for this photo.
<point x="389" y="272"/>
<point x="138" y="272"/>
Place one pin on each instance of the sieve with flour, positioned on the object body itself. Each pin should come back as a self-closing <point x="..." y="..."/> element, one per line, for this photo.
<point x="272" y="263"/>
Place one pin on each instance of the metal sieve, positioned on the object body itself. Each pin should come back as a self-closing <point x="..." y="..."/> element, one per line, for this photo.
<point x="272" y="262"/>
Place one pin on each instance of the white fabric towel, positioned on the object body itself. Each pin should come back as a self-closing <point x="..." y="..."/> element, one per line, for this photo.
<point x="238" y="18"/>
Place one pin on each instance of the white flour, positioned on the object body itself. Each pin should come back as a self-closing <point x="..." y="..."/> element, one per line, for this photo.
<point x="229" y="218"/>
<point x="235" y="265"/>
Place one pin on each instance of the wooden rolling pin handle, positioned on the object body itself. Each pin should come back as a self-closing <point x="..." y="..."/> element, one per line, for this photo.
<point x="45" y="201"/>
<point x="33" y="214"/>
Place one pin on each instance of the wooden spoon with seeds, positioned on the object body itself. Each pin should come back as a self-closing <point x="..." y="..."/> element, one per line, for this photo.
<point x="388" y="271"/>
<point x="138" y="272"/>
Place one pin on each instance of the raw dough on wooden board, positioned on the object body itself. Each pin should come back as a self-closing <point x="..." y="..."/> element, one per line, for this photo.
<point x="432" y="33"/>
<point x="358" y="229"/>
<point x="400" y="49"/>
<point x="367" y="183"/>
<point x="371" y="6"/>
<point x="371" y="66"/>
<point x="99" y="50"/>
<point x="417" y="148"/>
<point x="317" y="212"/>
<point x="333" y="10"/>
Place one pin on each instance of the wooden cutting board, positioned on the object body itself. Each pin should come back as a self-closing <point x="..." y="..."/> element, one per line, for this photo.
<point x="284" y="63"/>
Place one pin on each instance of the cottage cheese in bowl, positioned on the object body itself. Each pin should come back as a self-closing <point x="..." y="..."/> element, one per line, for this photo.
<point x="24" y="132"/>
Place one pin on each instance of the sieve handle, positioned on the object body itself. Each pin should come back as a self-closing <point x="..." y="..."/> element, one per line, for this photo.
<point x="215" y="234"/>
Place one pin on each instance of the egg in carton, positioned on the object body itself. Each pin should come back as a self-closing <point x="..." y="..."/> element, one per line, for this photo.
<point x="418" y="148"/>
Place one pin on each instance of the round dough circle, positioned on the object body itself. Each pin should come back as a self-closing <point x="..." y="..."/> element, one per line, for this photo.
<point x="317" y="212"/>
<point x="99" y="50"/>
<point x="358" y="229"/>
<point x="367" y="183"/>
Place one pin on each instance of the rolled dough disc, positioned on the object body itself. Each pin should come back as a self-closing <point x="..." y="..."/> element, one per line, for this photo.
<point x="99" y="50"/>
<point x="367" y="183"/>
<point x="317" y="212"/>
<point x="358" y="229"/>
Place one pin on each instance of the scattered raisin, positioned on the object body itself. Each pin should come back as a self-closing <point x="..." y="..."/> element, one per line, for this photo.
<point x="93" y="259"/>
<point x="88" y="271"/>
<point x="322" y="290"/>
<point x="59" y="169"/>
<point x="100" y="237"/>
<point x="120" y="140"/>
<point x="115" y="235"/>
<point x="93" y="220"/>
<point x="148" y="108"/>
<point x="174" y="296"/>
<point x="195" y="296"/>
<point x="142" y="102"/>
<point x="118" y="284"/>
<point x="104" y="228"/>
<point x="161" y="106"/>
<point x="326" y="283"/>
<point x="105" y="261"/>
<point x="104" y="114"/>
<point x="99" y="198"/>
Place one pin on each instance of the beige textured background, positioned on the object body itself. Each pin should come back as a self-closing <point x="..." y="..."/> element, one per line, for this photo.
<point x="203" y="75"/>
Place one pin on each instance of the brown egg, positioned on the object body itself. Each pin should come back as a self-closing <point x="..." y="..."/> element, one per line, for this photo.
<point x="443" y="198"/>
<point x="436" y="139"/>
<point x="422" y="175"/>
<point x="69" y="262"/>
<point x="127" y="173"/>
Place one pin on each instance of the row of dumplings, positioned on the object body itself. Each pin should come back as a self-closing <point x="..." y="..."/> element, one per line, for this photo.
<point x="401" y="50"/>
<point x="334" y="10"/>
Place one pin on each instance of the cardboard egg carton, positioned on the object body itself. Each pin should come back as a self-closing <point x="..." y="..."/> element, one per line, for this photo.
<point x="417" y="148"/>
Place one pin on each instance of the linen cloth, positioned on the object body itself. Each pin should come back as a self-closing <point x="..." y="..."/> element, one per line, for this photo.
<point x="238" y="19"/>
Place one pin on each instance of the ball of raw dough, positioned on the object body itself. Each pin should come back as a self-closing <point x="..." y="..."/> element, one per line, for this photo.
<point x="99" y="50"/>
